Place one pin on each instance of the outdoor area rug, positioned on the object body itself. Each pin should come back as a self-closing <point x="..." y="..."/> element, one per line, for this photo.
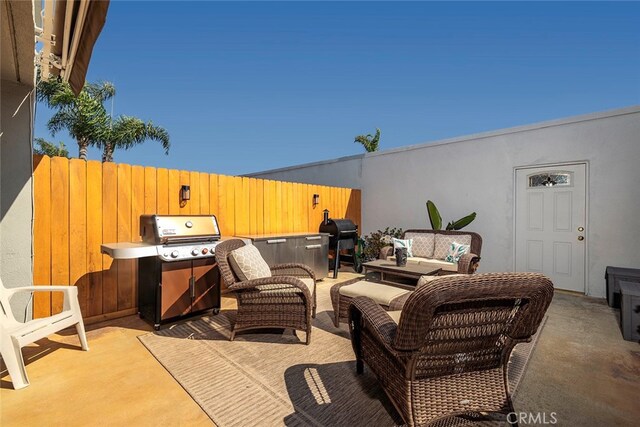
<point x="274" y="379"/>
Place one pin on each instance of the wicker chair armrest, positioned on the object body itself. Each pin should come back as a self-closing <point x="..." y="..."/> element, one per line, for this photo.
<point x="273" y="280"/>
<point x="468" y="263"/>
<point x="304" y="269"/>
<point x="374" y="318"/>
<point x="385" y="252"/>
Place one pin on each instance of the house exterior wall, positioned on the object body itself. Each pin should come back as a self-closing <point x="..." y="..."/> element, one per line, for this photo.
<point x="476" y="173"/>
<point x="15" y="192"/>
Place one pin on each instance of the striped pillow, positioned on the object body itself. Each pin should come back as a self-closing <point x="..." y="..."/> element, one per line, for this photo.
<point x="399" y="243"/>
<point x="456" y="250"/>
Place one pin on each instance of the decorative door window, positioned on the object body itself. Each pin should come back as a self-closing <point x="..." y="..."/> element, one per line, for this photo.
<point x="550" y="179"/>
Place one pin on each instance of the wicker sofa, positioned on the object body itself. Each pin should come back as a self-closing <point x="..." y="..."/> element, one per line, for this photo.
<point x="430" y="247"/>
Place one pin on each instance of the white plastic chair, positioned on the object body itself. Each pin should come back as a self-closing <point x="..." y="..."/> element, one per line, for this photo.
<point x="14" y="335"/>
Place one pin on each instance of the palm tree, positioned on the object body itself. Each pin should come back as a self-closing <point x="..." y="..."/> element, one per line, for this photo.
<point x="126" y="132"/>
<point x="369" y="142"/>
<point x="50" y="149"/>
<point x="83" y="116"/>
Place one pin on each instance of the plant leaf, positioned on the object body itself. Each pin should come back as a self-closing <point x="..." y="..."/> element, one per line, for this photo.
<point x="434" y="215"/>
<point x="462" y="222"/>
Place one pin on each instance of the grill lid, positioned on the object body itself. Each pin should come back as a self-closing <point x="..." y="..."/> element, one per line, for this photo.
<point x="339" y="228"/>
<point x="167" y="229"/>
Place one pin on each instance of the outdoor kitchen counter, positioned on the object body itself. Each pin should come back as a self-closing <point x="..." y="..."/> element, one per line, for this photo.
<point x="311" y="249"/>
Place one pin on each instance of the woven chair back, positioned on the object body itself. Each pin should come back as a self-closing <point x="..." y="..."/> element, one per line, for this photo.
<point x="467" y="323"/>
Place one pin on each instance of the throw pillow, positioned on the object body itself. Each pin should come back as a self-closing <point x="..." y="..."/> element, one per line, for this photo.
<point x="456" y="250"/>
<point x="443" y="242"/>
<point x="248" y="264"/>
<point x="399" y="243"/>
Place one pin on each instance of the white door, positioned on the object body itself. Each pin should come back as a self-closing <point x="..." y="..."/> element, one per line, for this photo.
<point x="550" y="223"/>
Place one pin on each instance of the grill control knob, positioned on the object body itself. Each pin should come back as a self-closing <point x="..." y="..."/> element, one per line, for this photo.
<point x="204" y="251"/>
<point x="195" y="252"/>
<point x="174" y="254"/>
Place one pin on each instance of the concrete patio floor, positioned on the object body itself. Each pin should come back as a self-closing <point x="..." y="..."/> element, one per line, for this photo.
<point x="582" y="371"/>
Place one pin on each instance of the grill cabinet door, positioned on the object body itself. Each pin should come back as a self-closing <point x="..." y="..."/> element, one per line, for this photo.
<point x="206" y="284"/>
<point x="175" y="289"/>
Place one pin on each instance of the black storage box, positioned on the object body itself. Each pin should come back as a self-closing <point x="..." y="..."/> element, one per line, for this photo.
<point x="613" y="276"/>
<point x="630" y="310"/>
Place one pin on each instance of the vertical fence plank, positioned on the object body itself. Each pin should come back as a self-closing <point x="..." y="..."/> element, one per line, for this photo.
<point x="60" y="227"/>
<point x="150" y="190"/>
<point x="277" y="204"/>
<point x="259" y="206"/>
<point x="42" y="235"/>
<point x="137" y="209"/>
<point x="267" y="205"/>
<point x="125" y="266"/>
<point x="162" y="191"/>
<point x="173" y="190"/>
<point x="94" y="238"/>
<point x="226" y="192"/>
<point x="253" y="206"/>
<point x="204" y="194"/>
<point x="214" y="203"/>
<point x="194" y="203"/>
<point x="241" y="211"/>
<point x="78" y="229"/>
<point x="109" y="235"/>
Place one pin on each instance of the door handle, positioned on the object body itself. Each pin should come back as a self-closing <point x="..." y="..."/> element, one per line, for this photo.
<point x="270" y="242"/>
<point x="313" y="246"/>
<point x="581" y="238"/>
<point x="192" y="286"/>
<point x="313" y="238"/>
<point x="581" y="229"/>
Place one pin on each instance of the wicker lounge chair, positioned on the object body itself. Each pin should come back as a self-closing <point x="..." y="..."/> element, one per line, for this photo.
<point x="445" y="361"/>
<point x="283" y="300"/>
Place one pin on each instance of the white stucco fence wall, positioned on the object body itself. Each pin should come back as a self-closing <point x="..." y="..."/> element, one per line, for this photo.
<point x="476" y="173"/>
<point x="16" y="208"/>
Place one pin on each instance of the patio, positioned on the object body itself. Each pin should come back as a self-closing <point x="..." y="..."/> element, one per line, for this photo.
<point x="119" y="382"/>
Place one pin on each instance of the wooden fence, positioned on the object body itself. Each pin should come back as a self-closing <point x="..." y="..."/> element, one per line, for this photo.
<point x="81" y="204"/>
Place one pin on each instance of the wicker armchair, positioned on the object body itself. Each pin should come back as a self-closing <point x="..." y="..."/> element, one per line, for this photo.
<point x="280" y="301"/>
<point x="445" y="362"/>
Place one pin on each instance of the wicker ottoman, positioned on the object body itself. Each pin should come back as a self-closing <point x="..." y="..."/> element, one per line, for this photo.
<point x="389" y="297"/>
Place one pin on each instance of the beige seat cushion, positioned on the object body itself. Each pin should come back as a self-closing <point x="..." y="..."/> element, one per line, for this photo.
<point x="308" y="281"/>
<point x="446" y="266"/>
<point x="381" y="294"/>
<point x="429" y="279"/>
<point x="395" y="315"/>
<point x="443" y="243"/>
<point x="248" y="264"/>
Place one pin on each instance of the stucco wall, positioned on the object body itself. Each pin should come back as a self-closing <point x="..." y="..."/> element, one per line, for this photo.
<point x="476" y="173"/>
<point x="343" y="172"/>
<point x="15" y="191"/>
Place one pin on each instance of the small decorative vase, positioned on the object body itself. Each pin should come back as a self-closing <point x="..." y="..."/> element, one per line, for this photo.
<point x="401" y="257"/>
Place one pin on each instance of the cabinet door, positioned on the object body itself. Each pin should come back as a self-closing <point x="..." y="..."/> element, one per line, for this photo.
<point x="277" y="250"/>
<point x="175" y="289"/>
<point x="206" y="293"/>
<point x="313" y="252"/>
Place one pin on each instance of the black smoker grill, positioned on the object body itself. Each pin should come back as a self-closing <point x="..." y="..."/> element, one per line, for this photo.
<point x="343" y="234"/>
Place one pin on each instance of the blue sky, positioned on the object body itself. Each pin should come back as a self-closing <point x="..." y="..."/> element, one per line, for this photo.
<point x="243" y="87"/>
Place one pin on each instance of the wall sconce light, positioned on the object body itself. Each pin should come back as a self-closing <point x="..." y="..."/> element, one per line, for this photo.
<point x="316" y="200"/>
<point x="185" y="193"/>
